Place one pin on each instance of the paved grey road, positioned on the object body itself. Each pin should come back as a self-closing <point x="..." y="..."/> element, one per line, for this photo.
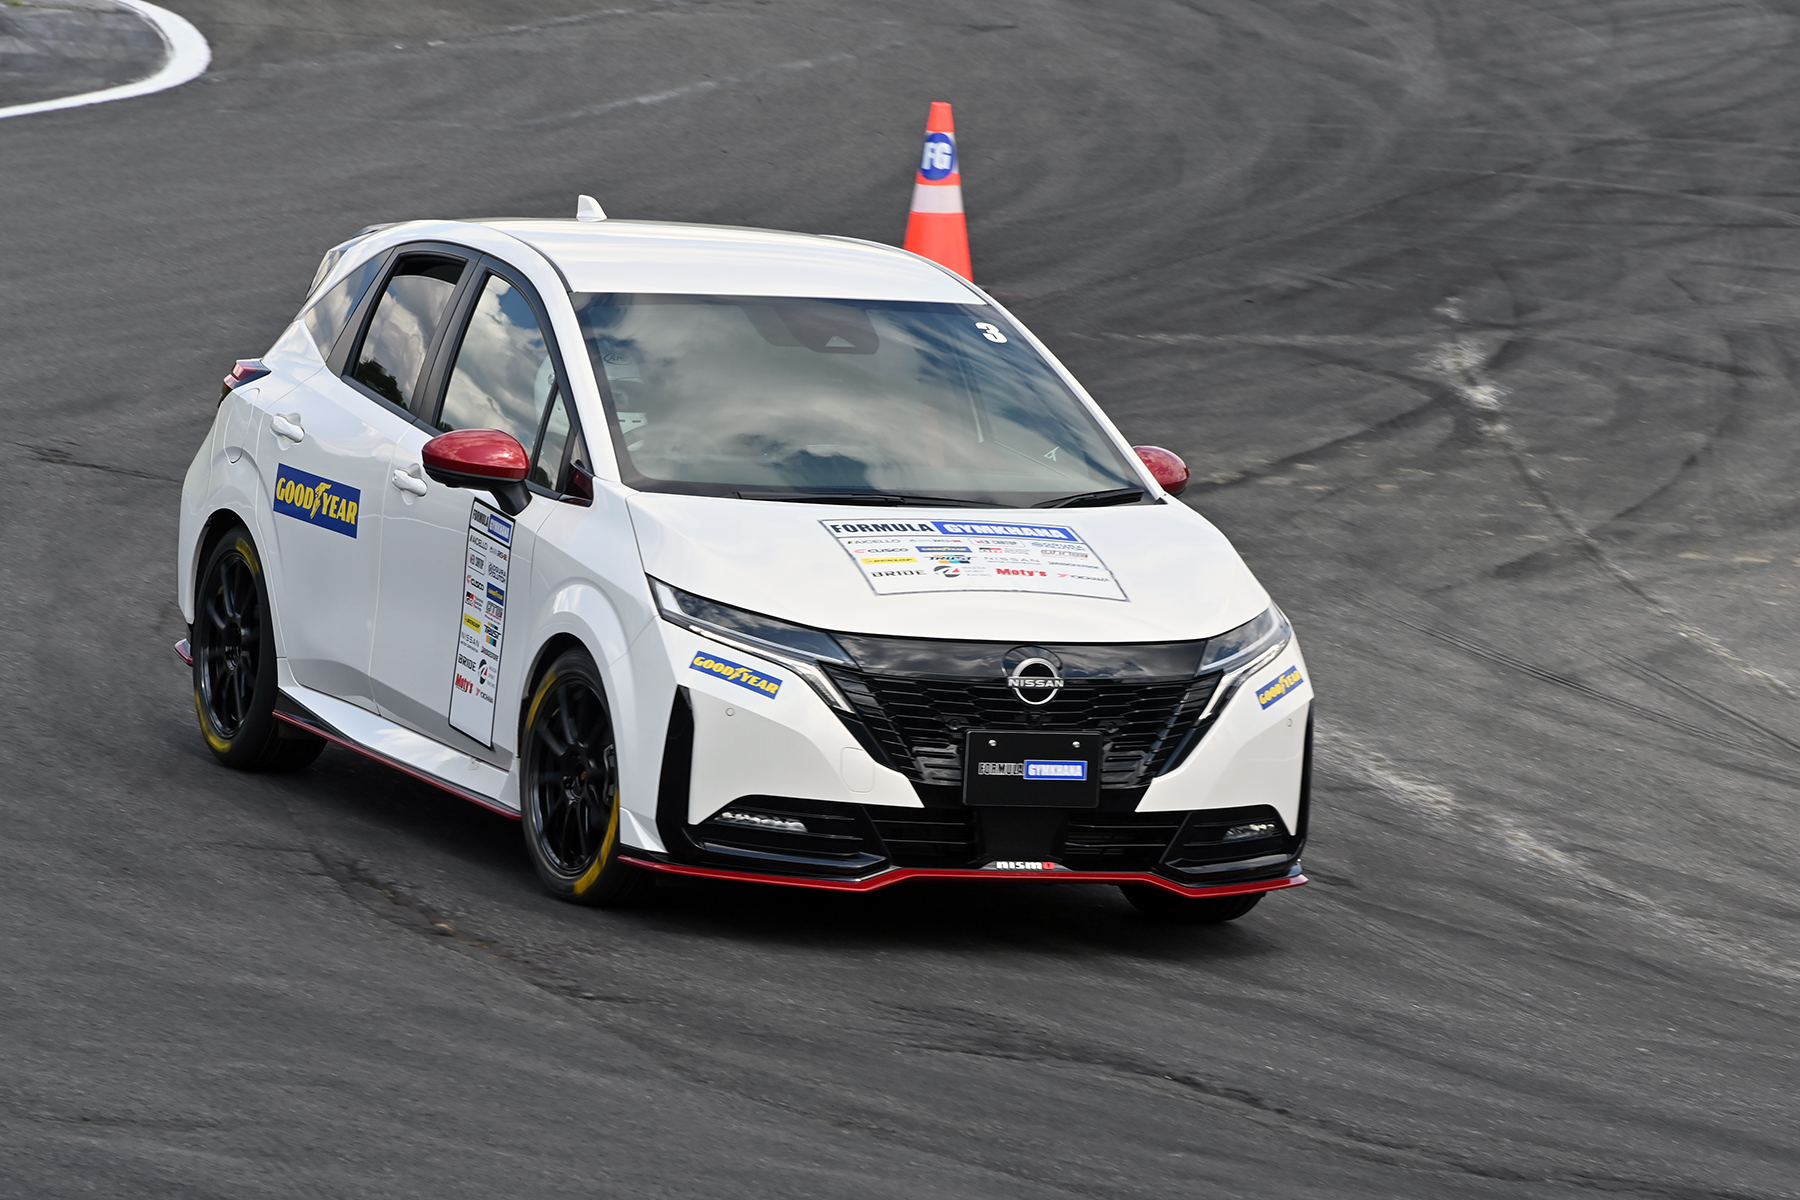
<point x="1477" y="321"/>
<point x="55" y="48"/>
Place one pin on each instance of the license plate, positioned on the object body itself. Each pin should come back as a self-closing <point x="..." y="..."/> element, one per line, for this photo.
<point x="1032" y="770"/>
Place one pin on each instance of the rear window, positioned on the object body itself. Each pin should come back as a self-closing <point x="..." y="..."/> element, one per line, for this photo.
<point x="325" y="320"/>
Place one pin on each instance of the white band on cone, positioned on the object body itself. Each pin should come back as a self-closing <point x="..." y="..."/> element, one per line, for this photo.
<point x="937" y="198"/>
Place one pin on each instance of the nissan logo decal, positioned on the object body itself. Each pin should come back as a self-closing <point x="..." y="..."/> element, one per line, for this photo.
<point x="1035" y="681"/>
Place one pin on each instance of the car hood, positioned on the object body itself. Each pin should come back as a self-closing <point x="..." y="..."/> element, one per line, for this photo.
<point x="1181" y="579"/>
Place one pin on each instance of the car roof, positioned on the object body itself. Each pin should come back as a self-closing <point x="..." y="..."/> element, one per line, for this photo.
<point x="720" y="260"/>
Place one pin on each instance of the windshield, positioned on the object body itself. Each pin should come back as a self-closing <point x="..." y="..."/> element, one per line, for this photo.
<point x="870" y="401"/>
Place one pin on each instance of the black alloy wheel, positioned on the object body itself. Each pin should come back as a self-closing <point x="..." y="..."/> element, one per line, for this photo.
<point x="234" y="664"/>
<point x="571" y="786"/>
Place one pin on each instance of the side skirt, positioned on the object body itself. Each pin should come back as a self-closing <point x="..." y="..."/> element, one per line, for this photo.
<point x="405" y="751"/>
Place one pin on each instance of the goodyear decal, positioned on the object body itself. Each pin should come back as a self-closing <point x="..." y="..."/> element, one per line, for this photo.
<point x="317" y="500"/>
<point x="1278" y="687"/>
<point x="743" y="676"/>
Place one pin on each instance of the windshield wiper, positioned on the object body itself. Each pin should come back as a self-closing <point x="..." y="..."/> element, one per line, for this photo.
<point x="879" y="498"/>
<point x="1128" y="495"/>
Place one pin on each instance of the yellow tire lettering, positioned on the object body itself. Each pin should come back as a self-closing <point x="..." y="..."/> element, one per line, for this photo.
<point x="606" y="849"/>
<point x="206" y="730"/>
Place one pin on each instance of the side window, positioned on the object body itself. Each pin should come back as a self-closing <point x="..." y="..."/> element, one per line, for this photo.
<point x="405" y="322"/>
<point x="578" y="457"/>
<point x="546" y="467"/>
<point x="325" y="320"/>
<point x="504" y="375"/>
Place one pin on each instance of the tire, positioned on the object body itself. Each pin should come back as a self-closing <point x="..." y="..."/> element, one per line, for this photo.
<point x="233" y="640"/>
<point x="1161" y="905"/>
<point x="569" y="781"/>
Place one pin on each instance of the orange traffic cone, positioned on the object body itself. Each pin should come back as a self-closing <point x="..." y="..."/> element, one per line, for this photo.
<point x="936" y="227"/>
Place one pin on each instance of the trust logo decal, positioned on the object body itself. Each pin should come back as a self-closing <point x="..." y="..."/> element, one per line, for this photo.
<point x="743" y="676"/>
<point x="1278" y="687"/>
<point x="316" y="500"/>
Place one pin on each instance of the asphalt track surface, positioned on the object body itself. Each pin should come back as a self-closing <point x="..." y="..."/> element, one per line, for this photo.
<point x="1477" y="323"/>
<point x="55" y="48"/>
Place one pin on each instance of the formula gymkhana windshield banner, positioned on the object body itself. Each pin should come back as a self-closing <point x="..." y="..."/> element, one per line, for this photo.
<point x="974" y="556"/>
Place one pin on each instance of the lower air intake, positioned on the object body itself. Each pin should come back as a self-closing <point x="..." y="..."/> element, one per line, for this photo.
<point x="773" y="831"/>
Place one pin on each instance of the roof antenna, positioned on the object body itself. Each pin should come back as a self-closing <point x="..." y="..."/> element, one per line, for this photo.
<point x="588" y="209"/>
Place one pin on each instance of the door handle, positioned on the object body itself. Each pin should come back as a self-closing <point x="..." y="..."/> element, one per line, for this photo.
<point x="408" y="484"/>
<point x="288" y="428"/>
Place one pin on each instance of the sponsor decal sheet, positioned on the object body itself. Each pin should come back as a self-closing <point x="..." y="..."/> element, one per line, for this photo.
<point x="476" y="674"/>
<point x="974" y="556"/>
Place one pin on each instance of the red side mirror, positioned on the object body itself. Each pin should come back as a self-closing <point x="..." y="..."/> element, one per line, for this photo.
<point x="486" y="454"/>
<point x="1166" y="468"/>
<point x="483" y="459"/>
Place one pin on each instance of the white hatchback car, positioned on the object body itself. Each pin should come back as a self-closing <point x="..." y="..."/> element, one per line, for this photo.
<point x="733" y="553"/>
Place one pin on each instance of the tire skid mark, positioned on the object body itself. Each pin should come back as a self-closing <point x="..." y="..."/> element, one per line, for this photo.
<point x="1440" y="803"/>
<point x="361" y="54"/>
<point x="701" y="86"/>
<point x="1501" y="658"/>
<point x="990" y="1038"/>
<point x="59" y="457"/>
<point x="395" y="903"/>
<point x="1459" y="362"/>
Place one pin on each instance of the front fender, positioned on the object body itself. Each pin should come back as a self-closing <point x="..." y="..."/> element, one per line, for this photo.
<point x="579" y="610"/>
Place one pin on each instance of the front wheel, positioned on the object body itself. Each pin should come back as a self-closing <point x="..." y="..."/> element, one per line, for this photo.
<point x="570" y="783"/>
<point x="234" y="664"/>
<point x="1164" y="905"/>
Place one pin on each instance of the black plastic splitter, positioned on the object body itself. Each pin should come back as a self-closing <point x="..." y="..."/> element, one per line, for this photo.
<point x="1009" y="768"/>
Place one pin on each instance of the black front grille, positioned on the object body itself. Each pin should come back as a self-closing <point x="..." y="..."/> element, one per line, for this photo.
<point x="919" y="722"/>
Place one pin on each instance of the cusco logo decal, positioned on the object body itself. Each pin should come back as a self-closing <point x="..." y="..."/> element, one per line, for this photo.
<point x="1280" y="686"/>
<point x="316" y="501"/>
<point x="743" y="676"/>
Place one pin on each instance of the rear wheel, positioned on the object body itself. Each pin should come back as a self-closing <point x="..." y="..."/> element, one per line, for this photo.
<point x="570" y="782"/>
<point x="234" y="664"/>
<point x="1188" y="910"/>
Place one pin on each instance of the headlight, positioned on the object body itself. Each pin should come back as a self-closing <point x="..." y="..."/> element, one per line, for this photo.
<point x="793" y="646"/>
<point x="1249" y="645"/>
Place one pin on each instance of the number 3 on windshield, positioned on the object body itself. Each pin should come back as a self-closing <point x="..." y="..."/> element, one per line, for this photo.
<point x="990" y="332"/>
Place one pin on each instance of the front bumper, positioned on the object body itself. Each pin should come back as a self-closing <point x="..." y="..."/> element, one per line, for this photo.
<point x="892" y="875"/>
<point x="1206" y="795"/>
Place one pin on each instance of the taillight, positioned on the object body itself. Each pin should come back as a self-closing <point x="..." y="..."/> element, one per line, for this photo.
<point x="246" y="370"/>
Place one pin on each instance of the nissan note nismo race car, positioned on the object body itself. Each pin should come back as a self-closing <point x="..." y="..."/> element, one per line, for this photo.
<point x="732" y="553"/>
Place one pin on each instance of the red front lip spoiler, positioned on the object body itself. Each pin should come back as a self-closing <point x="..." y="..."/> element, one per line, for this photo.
<point x="901" y="874"/>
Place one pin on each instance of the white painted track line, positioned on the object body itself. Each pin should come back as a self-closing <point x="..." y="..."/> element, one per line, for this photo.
<point x="188" y="56"/>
